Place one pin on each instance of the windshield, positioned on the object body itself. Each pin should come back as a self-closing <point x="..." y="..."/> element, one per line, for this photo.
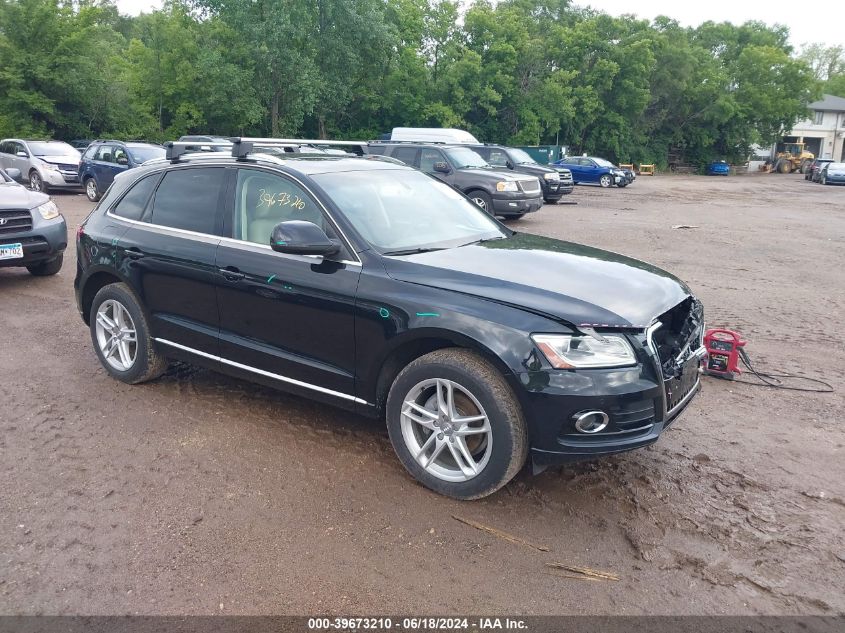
<point x="407" y="210"/>
<point x="143" y="154"/>
<point x="603" y="163"/>
<point x="522" y="157"/>
<point x="51" y="148"/>
<point x="465" y="157"/>
<point x="836" y="166"/>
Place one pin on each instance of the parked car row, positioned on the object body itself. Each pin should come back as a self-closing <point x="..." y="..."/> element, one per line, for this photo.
<point x="826" y="172"/>
<point x="49" y="165"/>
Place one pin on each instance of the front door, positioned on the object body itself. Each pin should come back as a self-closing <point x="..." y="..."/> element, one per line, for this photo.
<point x="286" y="318"/>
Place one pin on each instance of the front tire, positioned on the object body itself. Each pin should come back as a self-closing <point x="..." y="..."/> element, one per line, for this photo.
<point x="605" y="181"/>
<point x="482" y="200"/>
<point x="456" y="425"/>
<point x="121" y="336"/>
<point x="47" y="268"/>
<point x="91" y="190"/>
<point x="36" y="183"/>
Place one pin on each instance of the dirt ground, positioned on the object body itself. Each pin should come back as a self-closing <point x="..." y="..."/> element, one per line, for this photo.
<point x="201" y="494"/>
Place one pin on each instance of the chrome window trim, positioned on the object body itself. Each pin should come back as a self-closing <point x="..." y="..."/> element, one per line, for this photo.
<point x="261" y="372"/>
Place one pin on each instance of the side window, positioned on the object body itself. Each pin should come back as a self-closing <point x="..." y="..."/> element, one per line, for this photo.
<point x="132" y="205"/>
<point x="188" y="199"/>
<point x="18" y="147"/>
<point x="89" y="153"/>
<point x="105" y="153"/>
<point x="262" y="200"/>
<point x="120" y="155"/>
<point x="428" y="157"/>
<point x="4" y="148"/>
<point x="498" y="158"/>
<point x="376" y="149"/>
<point x="407" y="155"/>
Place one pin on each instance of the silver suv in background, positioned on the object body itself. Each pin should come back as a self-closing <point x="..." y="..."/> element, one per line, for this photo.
<point x="44" y="165"/>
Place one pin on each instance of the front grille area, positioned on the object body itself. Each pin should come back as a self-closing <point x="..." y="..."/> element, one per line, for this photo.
<point x="15" y="221"/>
<point x="530" y="187"/>
<point x="676" y="341"/>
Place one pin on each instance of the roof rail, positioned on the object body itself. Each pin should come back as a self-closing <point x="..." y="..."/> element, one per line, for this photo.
<point x="242" y="146"/>
<point x="385" y="141"/>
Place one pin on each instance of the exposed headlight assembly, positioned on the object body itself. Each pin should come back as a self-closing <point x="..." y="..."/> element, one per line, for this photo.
<point x="506" y="185"/>
<point x="564" y="351"/>
<point x="48" y="210"/>
<point x="50" y="166"/>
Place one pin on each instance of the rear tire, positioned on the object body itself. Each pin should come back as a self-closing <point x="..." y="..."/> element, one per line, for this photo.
<point x="117" y="314"/>
<point x="47" y="268"/>
<point x="91" y="190"/>
<point x="426" y="404"/>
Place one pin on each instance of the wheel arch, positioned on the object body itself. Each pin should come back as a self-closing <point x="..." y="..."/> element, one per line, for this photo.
<point x="92" y="285"/>
<point x="418" y="343"/>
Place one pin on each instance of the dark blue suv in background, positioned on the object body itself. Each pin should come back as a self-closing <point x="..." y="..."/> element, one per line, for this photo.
<point x="103" y="160"/>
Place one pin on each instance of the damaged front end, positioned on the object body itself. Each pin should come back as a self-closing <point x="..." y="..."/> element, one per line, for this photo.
<point x="676" y="340"/>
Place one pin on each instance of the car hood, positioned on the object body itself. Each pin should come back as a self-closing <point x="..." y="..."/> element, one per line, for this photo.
<point x="580" y="285"/>
<point x="495" y="175"/>
<point x="18" y="197"/>
<point x="61" y="159"/>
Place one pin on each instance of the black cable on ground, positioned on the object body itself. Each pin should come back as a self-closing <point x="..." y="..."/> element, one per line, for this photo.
<point x="773" y="380"/>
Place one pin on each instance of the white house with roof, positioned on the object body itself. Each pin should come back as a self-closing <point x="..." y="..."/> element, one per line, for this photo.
<point x="824" y="131"/>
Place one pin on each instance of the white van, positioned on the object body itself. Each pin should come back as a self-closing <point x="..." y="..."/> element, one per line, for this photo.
<point x="432" y="135"/>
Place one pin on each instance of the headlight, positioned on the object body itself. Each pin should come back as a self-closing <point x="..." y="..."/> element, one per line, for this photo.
<point x="50" y="166"/>
<point x="49" y="210"/>
<point x="572" y="352"/>
<point x="508" y="185"/>
<point x="552" y="176"/>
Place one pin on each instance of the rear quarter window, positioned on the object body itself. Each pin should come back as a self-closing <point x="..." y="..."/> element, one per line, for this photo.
<point x="132" y="205"/>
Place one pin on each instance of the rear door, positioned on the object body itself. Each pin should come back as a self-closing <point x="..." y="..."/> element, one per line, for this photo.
<point x="169" y="255"/>
<point x="286" y="318"/>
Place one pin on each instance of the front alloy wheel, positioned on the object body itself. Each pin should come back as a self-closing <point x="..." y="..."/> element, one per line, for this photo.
<point x="446" y="429"/>
<point x="605" y="181"/>
<point x="35" y="182"/>
<point x="91" y="190"/>
<point x="455" y="424"/>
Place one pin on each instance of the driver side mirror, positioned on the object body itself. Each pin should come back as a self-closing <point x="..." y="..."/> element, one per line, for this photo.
<point x="298" y="237"/>
<point x="122" y="160"/>
<point x="442" y="167"/>
<point x="21" y="154"/>
<point x="509" y="164"/>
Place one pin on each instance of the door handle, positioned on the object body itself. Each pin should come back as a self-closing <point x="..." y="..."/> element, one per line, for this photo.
<point x="230" y="273"/>
<point x="134" y="253"/>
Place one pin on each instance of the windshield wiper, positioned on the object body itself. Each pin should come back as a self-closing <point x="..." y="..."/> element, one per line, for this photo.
<point x="413" y="251"/>
<point x="483" y="240"/>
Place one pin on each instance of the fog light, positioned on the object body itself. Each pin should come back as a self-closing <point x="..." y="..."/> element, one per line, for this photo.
<point x="591" y="421"/>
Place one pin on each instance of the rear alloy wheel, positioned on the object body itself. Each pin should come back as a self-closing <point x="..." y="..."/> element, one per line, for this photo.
<point x="456" y="425"/>
<point x="484" y="201"/>
<point x="47" y="268"/>
<point x="605" y="181"/>
<point x="121" y="336"/>
<point x="36" y="183"/>
<point x="91" y="190"/>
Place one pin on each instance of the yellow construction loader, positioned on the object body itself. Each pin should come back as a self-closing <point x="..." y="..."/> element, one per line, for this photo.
<point x="794" y="157"/>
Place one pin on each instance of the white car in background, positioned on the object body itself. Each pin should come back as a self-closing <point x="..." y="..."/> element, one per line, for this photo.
<point x="44" y="165"/>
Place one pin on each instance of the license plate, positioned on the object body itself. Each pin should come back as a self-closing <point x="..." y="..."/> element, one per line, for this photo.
<point x="11" y="251"/>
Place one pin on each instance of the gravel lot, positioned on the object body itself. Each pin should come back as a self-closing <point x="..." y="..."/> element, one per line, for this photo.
<point x="198" y="493"/>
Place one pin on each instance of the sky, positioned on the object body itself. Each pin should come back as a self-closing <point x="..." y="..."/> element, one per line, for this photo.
<point x="824" y="24"/>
